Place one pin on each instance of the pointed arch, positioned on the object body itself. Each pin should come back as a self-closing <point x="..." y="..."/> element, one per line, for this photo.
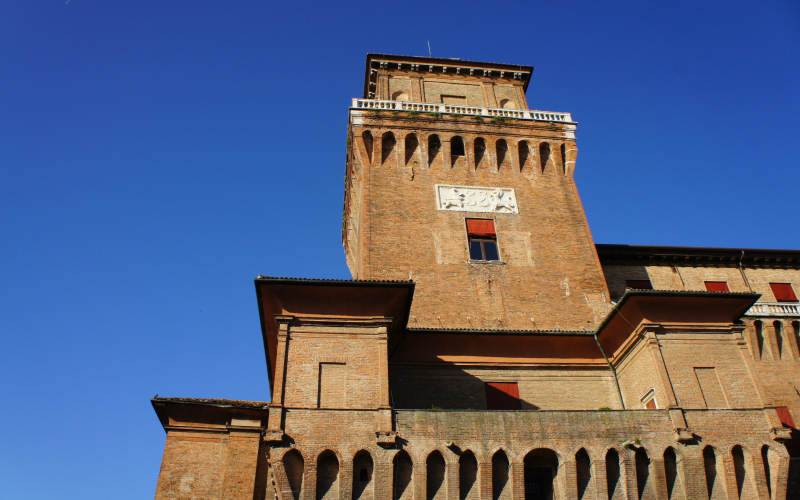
<point x="327" y="476"/>
<point x="467" y="476"/>
<point x="293" y="465"/>
<point x="402" y="468"/>
<point x="767" y="469"/>
<point x="434" y="476"/>
<point x="739" y="469"/>
<point x="369" y="142"/>
<point x="434" y="147"/>
<point x="501" y="148"/>
<point x="758" y="326"/>
<point x="583" y="469"/>
<point x="544" y="154"/>
<point x="479" y="146"/>
<point x="387" y="146"/>
<point x="777" y="327"/>
<point x="644" y="483"/>
<point x="363" y="468"/>
<point x="524" y="152"/>
<point x="564" y="158"/>
<point x="540" y="468"/>
<point x="613" y="486"/>
<point x="673" y="472"/>
<point x="412" y="146"/>
<point x="456" y="149"/>
<point x="710" y="466"/>
<point x="500" y="469"/>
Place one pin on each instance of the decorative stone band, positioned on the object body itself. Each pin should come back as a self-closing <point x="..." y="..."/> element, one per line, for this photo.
<point x="476" y="199"/>
<point x="422" y="107"/>
<point x="783" y="309"/>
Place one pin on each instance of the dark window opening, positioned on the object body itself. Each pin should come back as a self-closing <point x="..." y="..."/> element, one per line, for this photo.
<point x="639" y="284"/>
<point x="502" y="396"/>
<point x="482" y="240"/>
<point x="717" y="286"/>
<point x="783" y="292"/>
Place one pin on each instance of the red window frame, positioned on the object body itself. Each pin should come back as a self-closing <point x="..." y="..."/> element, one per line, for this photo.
<point x="783" y="292"/>
<point x="502" y="396"/>
<point x="639" y="284"/>
<point x="717" y="286"/>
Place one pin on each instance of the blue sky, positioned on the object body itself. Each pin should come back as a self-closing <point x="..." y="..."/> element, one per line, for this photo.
<point x="154" y="159"/>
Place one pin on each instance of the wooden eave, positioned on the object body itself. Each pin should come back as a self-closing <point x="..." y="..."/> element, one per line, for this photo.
<point x="329" y="299"/>
<point x="638" y="307"/>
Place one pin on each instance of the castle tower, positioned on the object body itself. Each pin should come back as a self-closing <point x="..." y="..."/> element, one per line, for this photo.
<point x="454" y="183"/>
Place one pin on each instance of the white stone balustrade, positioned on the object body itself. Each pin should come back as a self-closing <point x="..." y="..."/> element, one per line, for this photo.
<point x="421" y="107"/>
<point x="778" y="309"/>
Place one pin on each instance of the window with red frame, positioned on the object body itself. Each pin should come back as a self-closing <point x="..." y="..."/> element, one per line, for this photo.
<point x="639" y="284"/>
<point x="783" y="292"/>
<point x="717" y="286"/>
<point x="502" y="396"/>
<point x="482" y="240"/>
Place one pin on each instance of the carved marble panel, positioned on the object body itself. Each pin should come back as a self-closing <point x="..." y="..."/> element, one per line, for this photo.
<point x="476" y="199"/>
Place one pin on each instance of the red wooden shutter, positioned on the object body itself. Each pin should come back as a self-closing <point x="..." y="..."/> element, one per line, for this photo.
<point x="639" y="284"/>
<point x="481" y="228"/>
<point x="785" y="416"/>
<point x="502" y="396"/>
<point x="717" y="286"/>
<point x="783" y="292"/>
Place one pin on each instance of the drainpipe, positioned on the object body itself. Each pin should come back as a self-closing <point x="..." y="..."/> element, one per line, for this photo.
<point x="613" y="370"/>
<point x="741" y="270"/>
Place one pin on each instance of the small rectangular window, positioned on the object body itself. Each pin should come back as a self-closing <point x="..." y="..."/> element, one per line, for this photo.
<point x="649" y="400"/>
<point x="457" y="100"/>
<point x="482" y="240"/>
<point x="717" y="286"/>
<point x="639" y="284"/>
<point x="502" y="396"/>
<point x="783" y="292"/>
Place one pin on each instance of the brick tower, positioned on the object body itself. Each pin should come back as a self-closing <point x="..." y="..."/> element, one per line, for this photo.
<point x="486" y="348"/>
<point x="454" y="183"/>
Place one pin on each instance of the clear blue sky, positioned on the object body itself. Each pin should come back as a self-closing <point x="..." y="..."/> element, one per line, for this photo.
<point x="154" y="159"/>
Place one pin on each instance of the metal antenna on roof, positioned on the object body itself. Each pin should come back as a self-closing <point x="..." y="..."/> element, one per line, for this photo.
<point x="429" y="48"/>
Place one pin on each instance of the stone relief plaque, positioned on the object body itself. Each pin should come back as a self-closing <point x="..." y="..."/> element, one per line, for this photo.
<point x="476" y="199"/>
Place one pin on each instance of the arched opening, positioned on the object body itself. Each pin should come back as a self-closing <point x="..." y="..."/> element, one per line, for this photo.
<point x="434" y="476"/>
<point x="456" y="149"/>
<point x="524" y="153"/>
<point x="710" y="465"/>
<point x="767" y="470"/>
<point x="540" y="469"/>
<point x="759" y="329"/>
<point x="362" y="476"/>
<point x="293" y="466"/>
<point x="480" y="151"/>
<point x="644" y="486"/>
<point x="583" y="466"/>
<point x="387" y="146"/>
<point x="778" y="327"/>
<point x="506" y="104"/>
<point x="564" y="158"/>
<point x="368" y="144"/>
<point x="401" y="476"/>
<point x="400" y="96"/>
<point x="673" y="475"/>
<point x="327" y="476"/>
<point x="544" y="154"/>
<point x="502" y="152"/>
<point x="739" y="468"/>
<point x="796" y="328"/>
<point x="467" y="476"/>
<point x="500" y="476"/>
<point x="411" y="147"/>
<point x="615" y="492"/>
<point x="434" y="146"/>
